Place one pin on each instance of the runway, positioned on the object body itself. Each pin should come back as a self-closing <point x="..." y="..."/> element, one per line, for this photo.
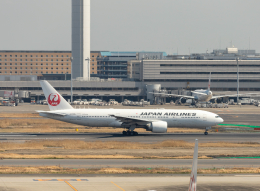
<point x="127" y="183"/>
<point x="130" y="163"/>
<point x="142" y="137"/>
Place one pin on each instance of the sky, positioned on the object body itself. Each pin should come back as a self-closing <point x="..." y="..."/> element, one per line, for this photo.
<point x="173" y="26"/>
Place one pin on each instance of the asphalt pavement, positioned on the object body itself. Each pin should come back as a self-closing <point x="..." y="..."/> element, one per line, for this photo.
<point x="142" y="137"/>
<point x="140" y="163"/>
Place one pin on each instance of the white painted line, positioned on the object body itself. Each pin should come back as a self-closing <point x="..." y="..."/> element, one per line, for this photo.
<point x="18" y="135"/>
<point x="248" y="175"/>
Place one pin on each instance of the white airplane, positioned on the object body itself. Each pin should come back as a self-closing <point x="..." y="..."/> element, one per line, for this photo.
<point x="155" y="120"/>
<point x="202" y="95"/>
<point x="193" y="176"/>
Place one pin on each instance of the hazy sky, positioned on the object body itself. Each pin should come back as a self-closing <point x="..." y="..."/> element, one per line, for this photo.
<point x="133" y="25"/>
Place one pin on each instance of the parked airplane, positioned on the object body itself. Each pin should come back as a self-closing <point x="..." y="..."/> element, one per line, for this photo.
<point x="193" y="176"/>
<point x="202" y="95"/>
<point x="155" y="120"/>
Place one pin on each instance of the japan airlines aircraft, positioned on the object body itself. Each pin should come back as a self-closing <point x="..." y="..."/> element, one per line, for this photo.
<point x="203" y="95"/>
<point x="155" y="120"/>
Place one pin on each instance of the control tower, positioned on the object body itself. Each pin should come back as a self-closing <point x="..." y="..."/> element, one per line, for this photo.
<point x="81" y="39"/>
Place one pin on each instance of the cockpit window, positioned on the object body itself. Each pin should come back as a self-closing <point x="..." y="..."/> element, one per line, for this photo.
<point x="217" y="116"/>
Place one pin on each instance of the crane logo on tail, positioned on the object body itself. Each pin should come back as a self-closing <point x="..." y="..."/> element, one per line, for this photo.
<point x="54" y="99"/>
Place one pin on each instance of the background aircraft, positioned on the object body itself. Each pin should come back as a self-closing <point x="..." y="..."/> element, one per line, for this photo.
<point x="202" y="95"/>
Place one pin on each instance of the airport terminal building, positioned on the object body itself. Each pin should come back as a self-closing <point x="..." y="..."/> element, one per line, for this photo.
<point x="125" y="75"/>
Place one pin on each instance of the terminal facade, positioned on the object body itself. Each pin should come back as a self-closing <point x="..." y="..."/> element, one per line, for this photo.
<point x="125" y="75"/>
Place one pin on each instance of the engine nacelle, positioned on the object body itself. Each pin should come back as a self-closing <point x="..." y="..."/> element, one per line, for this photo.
<point x="183" y="100"/>
<point x="157" y="127"/>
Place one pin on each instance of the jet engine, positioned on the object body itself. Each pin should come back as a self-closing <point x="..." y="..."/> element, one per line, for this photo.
<point x="183" y="100"/>
<point x="219" y="100"/>
<point x="157" y="127"/>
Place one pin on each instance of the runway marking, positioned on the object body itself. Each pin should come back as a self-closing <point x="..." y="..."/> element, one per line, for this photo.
<point x="62" y="180"/>
<point x="248" y="175"/>
<point x="117" y="186"/>
<point x="71" y="186"/>
<point x="18" y="135"/>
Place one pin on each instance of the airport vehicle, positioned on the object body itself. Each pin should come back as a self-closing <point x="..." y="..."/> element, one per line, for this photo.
<point x="78" y="102"/>
<point x="247" y="101"/>
<point x="193" y="176"/>
<point x="33" y="100"/>
<point x="155" y="120"/>
<point x="85" y="102"/>
<point x="202" y="95"/>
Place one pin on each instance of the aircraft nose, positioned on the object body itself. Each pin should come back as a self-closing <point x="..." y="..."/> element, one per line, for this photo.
<point x="221" y="120"/>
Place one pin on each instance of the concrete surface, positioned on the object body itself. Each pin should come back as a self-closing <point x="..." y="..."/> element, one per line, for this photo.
<point x="131" y="183"/>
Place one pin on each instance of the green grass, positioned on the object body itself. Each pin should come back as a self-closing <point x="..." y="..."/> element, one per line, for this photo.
<point x="239" y="125"/>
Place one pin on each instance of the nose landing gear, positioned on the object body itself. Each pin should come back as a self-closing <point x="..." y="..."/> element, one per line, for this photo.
<point x="206" y="130"/>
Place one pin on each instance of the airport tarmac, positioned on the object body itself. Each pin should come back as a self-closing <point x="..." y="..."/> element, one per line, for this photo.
<point x="142" y="137"/>
<point x="131" y="163"/>
<point x="129" y="183"/>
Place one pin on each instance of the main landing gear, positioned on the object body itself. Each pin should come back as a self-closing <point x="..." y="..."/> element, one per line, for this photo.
<point x="130" y="133"/>
<point x="206" y="130"/>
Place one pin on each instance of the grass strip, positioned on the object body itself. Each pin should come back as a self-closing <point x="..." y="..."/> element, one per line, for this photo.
<point x="61" y="170"/>
<point x="255" y="157"/>
<point x="79" y="144"/>
<point x="239" y="125"/>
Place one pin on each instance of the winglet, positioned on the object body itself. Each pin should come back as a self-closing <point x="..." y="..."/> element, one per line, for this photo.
<point x="193" y="176"/>
<point x="209" y="81"/>
<point x="54" y="99"/>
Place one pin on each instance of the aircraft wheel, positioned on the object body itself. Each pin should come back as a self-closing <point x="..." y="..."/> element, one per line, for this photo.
<point x="124" y="133"/>
<point x="135" y="133"/>
<point x="128" y="133"/>
<point x="206" y="133"/>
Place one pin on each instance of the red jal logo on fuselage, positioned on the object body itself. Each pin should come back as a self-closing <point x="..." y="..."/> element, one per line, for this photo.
<point x="54" y="99"/>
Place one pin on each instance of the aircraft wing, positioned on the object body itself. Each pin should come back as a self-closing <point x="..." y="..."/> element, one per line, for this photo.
<point x="193" y="176"/>
<point x="174" y="95"/>
<point x="198" y="93"/>
<point x="133" y="120"/>
<point x="52" y="113"/>
<point x="215" y="97"/>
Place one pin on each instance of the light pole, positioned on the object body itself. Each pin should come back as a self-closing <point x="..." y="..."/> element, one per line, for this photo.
<point x="71" y="87"/>
<point x="237" y="81"/>
<point x="88" y="68"/>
